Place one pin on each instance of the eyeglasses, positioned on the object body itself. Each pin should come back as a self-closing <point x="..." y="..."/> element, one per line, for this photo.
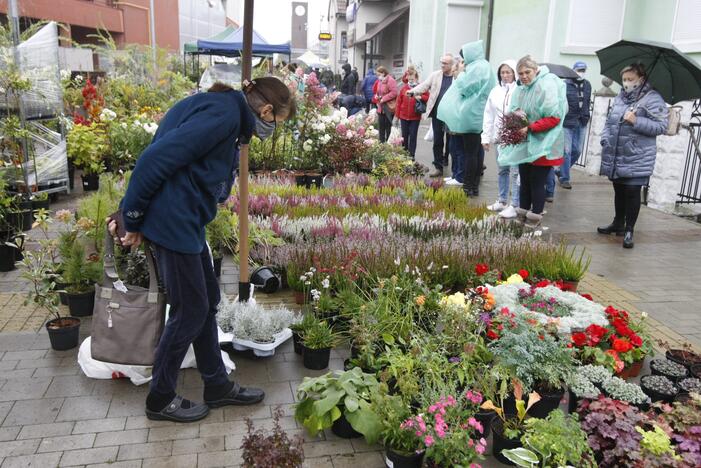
<point x="446" y="63"/>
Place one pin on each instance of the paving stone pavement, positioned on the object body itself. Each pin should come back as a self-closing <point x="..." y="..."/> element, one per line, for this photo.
<point x="52" y="415"/>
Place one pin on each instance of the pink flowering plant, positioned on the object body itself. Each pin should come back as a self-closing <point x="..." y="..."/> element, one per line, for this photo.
<point x="448" y="431"/>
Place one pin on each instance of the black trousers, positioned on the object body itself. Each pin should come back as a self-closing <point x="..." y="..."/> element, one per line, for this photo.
<point x="441" y="139"/>
<point x="627" y="204"/>
<point x="472" y="144"/>
<point x="385" y="121"/>
<point x="532" y="191"/>
<point x="410" y="131"/>
<point x="193" y="295"/>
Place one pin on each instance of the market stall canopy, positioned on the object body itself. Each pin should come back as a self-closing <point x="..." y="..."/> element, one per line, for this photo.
<point x="313" y="60"/>
<point x="191" y="47"/>
<point x="382" y="25"/>
<point x="231" y="44"/>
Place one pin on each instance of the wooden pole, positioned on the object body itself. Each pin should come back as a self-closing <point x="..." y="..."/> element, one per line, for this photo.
<point x="244" y="280"/>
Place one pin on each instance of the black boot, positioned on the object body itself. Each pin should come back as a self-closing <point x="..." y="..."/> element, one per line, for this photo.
<point x="628" y="240"/>
<point x="616" y="227"/>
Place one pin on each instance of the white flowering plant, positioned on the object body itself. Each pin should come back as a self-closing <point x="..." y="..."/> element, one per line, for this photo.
<point x="250" y="321"/>
<point x="128" y="139"/>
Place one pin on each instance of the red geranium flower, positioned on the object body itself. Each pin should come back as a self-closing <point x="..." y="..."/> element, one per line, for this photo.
<point x="523" y="273"/>
<point x="587" y="296"/>
<point x="636" y="340"/>
<point x="579" y="339"/>
<point x="481" y="268"/>
<point x="621" y="345"/>
<point x="492" y="335"/>
<point x="542" y="284"/>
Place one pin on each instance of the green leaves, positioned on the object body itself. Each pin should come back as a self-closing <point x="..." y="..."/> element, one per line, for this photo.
<point x="365" y="421"/>
<point x="522" y="457"/>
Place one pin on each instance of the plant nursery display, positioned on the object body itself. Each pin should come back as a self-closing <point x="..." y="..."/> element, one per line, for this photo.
<point x="263" y="448"/>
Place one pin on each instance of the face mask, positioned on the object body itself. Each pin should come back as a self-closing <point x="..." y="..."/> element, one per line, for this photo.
<point x="629" y="86"/>
<point x="263" y="129"/>
<point x="581" y="75"/>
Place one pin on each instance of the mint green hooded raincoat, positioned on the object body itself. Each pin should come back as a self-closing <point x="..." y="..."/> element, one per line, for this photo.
<point x="462" y="106"/>
<point x="545" y="96"/>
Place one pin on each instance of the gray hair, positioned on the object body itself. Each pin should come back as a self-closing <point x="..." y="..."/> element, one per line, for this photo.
<point x="527" y="62"/>
<point x="449" y="56"/>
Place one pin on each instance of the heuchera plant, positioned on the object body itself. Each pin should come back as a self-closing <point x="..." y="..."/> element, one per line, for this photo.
<point x="262" y="449"/>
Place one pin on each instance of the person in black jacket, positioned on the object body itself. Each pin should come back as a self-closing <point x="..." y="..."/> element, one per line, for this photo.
<point x="578" y="99"/>
<point x="349" y="80"/>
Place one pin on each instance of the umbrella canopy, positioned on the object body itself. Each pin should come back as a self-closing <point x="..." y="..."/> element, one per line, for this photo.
<point x="675" y="76"/>
<point x="561" y="71"/>
<point x="310" y="58"/>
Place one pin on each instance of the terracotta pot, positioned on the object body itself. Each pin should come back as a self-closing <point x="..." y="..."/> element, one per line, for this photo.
<point x="632" y="370"/>
<point x="570" y="285"/>
<point x="299" y="297"/>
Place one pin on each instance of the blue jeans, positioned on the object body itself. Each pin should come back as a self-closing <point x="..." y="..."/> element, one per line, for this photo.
<point x="574" y="139"/>
<point x="457" y="153"/>
<point x="508" y="178"/>
<point x="550" y="183"/>
<point x="193" y="295"/>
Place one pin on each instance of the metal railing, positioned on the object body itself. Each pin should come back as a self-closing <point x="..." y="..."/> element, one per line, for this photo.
<point x="690" y="190"/>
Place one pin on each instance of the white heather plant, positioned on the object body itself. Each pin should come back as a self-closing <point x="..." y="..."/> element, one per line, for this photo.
<point x="250" y="321"/>
<point x="619" y="389"/>
<point x="595" y="374"/>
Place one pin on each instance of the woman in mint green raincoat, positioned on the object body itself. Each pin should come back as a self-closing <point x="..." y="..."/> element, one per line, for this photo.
<point x="462" y="109"/>
<point x="542" y="96"/>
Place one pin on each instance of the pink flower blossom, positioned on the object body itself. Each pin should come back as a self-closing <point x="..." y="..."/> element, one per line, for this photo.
<point x="480" y="449"/>
<point x="361" y="131"/>
<point x="341" y="129"/>
<point x="428" y="441"/>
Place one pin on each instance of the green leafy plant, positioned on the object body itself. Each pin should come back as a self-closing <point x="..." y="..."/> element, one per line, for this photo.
<point x="657" y="442"/>
<point x="319" y="335"/>
<point x="221" y="232"/>
<point x="322" y="400"/>
<point x="80" y="272"/>
<point x="87" y="146"/>
<point x="572" y="266"/>
<point x="392" y="411"/>
<point x="513" y="424"/>
<point x="554" y="441"/>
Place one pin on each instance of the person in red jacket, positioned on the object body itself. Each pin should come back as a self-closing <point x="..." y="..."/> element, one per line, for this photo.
<point x="406" y="110"/>
<point x="386" y="101"/>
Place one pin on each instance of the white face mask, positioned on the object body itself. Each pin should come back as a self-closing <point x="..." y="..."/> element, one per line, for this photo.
<point x="629" y="86"/>
<point x="581" y="74"/>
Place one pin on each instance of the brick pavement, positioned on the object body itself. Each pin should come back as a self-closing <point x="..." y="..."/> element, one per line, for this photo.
<point x="52" y="415"/>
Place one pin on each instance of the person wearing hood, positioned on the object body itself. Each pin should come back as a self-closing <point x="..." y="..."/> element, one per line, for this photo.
<point x="349" y="80"/>
<point x="368" y="83"/>
<point x="406" y="110"/>
<point x="462" y="109"/>
<point x="172" y="195"/>
<point x="386" y="98"/>
<point x="497" y="105"/>
<point x="541" y="96"/>
<point x="576" y="120"/>
<point x="629" y="147"/>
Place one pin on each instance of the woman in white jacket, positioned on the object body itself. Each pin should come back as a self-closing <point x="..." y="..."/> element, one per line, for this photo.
<point x="497" y="104"/>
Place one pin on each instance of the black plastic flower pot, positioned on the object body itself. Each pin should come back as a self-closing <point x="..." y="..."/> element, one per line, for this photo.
<point x="343" y="429"/>
<point x="71" y="175"/>
<point x="63" y="333"/>
<point x="695" y="371"/>
<point x="8" y="257"/>
<point x="683" y="357"/>
<point x="40" y="205"/>
<point x="573" y="402"/>
<point x="501" y="442"/>
<point x="265" y="279"/>
<point x="315" y="180"/>
<point x="316" y="359"/>
<point x="217" y="266"/>
<point x="63" y="296"/>
<point x="398" y="460"/>
<point x="27" y="219"/>
<point x="301" y="180"/>
<point x="81" y="304"/>
<point x="297" y="342"/>
<point x="548" y="402"/>
<point x="91" y="182"/>
<point x="655" y="370"/>
<point x="654" y="394"/>
<point x="485" y="418"/>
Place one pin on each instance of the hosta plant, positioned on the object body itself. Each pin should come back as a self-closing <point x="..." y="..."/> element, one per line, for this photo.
<point x="659" y="384"/>
<point x="621" y="390"/>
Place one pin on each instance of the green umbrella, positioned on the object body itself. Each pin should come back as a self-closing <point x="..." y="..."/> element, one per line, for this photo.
<point x="674" y="75"/>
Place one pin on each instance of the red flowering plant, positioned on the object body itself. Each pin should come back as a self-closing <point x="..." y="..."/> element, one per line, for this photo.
<point x="483" y="274"/>
<point x="619" y="344"/>
<point x="509" y="130"/>
<point x="449" y="432"/>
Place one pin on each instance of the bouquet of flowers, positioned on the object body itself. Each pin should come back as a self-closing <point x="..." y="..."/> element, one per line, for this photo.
<point x="509" y="128"/>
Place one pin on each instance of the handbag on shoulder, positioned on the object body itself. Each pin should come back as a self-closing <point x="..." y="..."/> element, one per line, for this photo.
<point x="127" y="320"/>
<point x="419" y="107"/>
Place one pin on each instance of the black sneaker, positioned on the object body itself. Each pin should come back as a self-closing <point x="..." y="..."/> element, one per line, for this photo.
<point x="180" y="410"/>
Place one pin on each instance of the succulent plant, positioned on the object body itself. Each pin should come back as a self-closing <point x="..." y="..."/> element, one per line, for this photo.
<point x="691" y="385"/>
<point x="619" y="389"/>
<point x="659" y="384"/>
<point x="668" y="368"/>
<point x="595" y="374"/>
<point x="582" y="387"/>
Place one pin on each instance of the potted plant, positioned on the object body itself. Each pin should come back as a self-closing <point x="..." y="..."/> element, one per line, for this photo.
<point x="298" y="327"/>
<point x="262" y="449"/>
<point x="610" y="427"/>
<point x="656" y="447"/>
<point x="87" y="145"/>
<point x="255" y="327"/>
<point x="669" y="369"/>
<point x="659" y="388"/>
<point x="556" y="440"/>
<point x="571" y="266"/>
<point x="619" y="389"/>
<point x="684" y="355"/>
<point x="340" y="401"/>
<point x="63" y="332"/>
<point x="318" y="339"/>
<point x="508" y="428"/>
<point x="689" y="385"/>
<point x="580" y="388"/>
<point x="597" y="375"/>
<point x="40" y="200"/>
<point x="220" y="236"/>
<point x="80" y="273"/>
<point x="403" y="448"/>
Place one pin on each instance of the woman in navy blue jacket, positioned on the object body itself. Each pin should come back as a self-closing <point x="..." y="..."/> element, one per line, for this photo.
<point x="172" y="195"/>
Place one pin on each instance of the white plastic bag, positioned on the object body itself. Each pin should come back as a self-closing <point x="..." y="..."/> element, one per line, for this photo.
<point x="429" y="134"/>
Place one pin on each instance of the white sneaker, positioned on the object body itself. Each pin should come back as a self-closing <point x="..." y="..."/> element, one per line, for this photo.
<point x="446" y="179"/>
<point x="453" y="183"/>
<point x="508" y="212"/>
<point x="498" y="206"/>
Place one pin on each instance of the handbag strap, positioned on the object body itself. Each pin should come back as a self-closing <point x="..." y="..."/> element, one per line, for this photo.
<point x="110" y="267"/>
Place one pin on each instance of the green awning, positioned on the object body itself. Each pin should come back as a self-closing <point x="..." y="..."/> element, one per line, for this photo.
<point x="191" y="47"/>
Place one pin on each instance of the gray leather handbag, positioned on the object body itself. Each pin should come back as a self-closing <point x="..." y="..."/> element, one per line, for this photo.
<point x="127" y="320"/>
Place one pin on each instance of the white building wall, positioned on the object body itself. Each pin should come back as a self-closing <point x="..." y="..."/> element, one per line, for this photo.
<point x="200" y="19"/>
